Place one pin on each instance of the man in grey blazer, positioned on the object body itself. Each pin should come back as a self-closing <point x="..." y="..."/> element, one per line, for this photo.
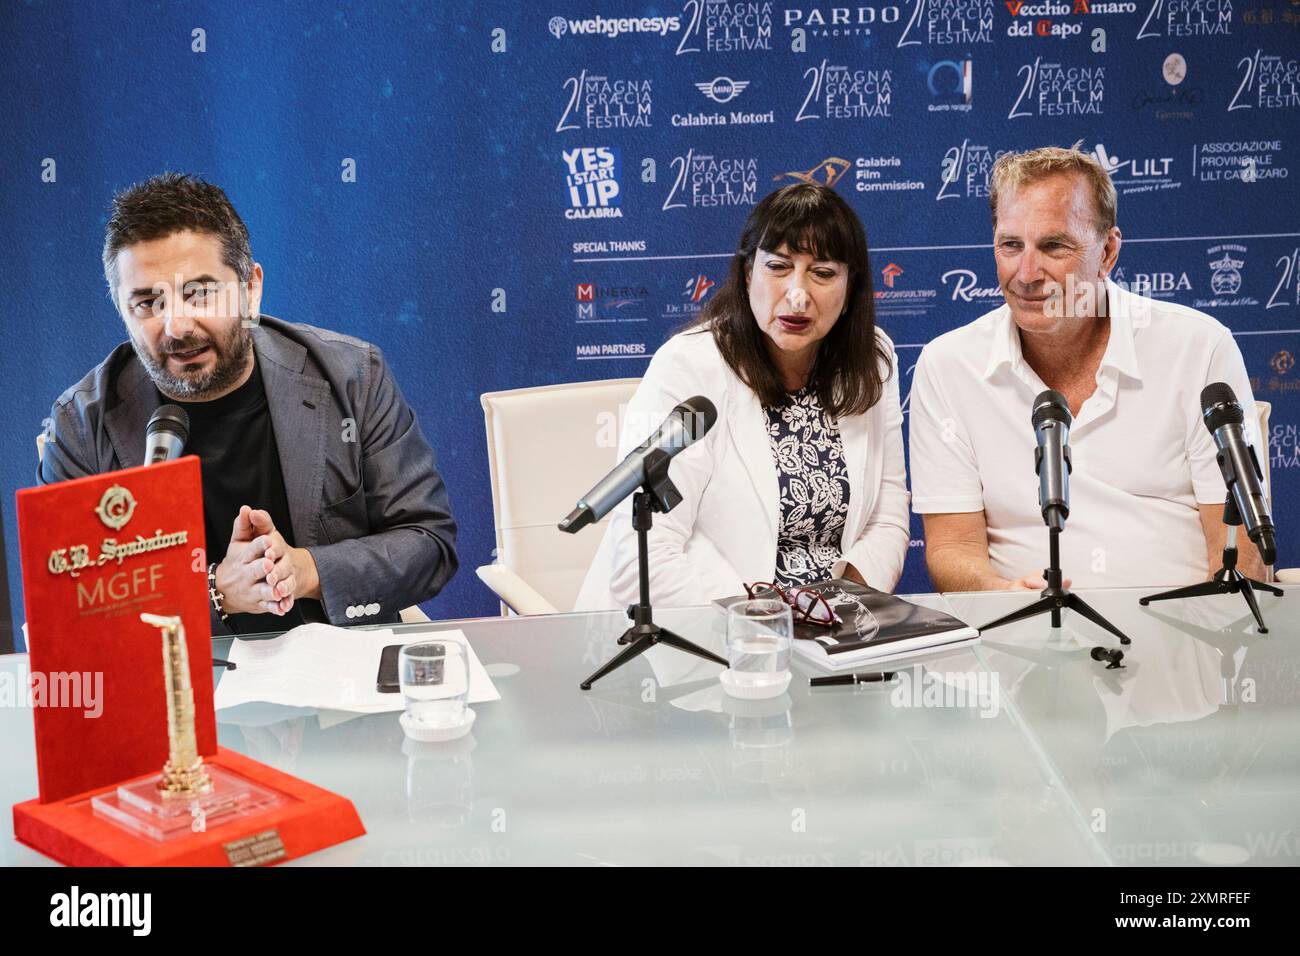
<point x="322" y="499"/>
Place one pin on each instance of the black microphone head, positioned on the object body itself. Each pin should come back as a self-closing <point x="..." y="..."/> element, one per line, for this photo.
<point x="170" y="418"/>
<point x="1219" y="406"/>
<point x="698" y="414"/>
<point x="1051" y="406"/>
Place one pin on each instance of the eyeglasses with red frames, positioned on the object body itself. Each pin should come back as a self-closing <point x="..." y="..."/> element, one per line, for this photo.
<point x="809" y="606"/>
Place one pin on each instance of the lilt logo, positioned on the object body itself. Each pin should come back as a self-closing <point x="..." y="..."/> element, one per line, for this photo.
<point x="74" y="908"/>
<point x="592" y="178"/>
<point x="1137" y="175"/>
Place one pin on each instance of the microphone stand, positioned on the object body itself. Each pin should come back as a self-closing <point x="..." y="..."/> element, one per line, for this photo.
<point x="657" y="493"/>
<point x="1227" y="580"/>
<point x="1056" y="598"/>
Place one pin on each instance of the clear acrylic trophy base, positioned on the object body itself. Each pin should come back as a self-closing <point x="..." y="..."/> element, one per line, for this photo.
<point x="142" y="808"/>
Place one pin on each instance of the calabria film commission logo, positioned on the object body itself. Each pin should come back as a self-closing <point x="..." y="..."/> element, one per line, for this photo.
<point x="592" y="177"/>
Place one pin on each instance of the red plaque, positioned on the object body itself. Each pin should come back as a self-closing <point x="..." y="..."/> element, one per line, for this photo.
<point x="96" y="554"/>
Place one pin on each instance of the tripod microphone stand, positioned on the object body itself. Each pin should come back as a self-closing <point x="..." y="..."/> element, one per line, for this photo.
<point x="1051" y="419"/>
<point x="657" y="494"/>
<point x="1056" y="598"/>
<point x="1227" y="580"/>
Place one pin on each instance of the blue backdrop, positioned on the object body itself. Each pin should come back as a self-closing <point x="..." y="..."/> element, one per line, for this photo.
<point x="543" y="191"/>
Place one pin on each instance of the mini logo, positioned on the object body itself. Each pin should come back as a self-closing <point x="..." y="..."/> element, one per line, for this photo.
<point x="586" y="292"/>
<point x="698" y="288"/>
<point x="722" y="89"/>
<point x="558" y="27"/>
<point x="1282" y="362"/>
<point x="1175" y="69"/>
<point x="1226" y="277"/>
<point x="890" y="273"/>
<point x="115" y="507"/>
<point x="825" y="173"/>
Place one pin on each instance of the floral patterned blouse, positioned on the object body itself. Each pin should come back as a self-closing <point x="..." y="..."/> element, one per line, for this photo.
<point x="814" y="487"/>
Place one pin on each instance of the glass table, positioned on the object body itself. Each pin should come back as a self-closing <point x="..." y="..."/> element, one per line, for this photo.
<point x="1019" y="750"/>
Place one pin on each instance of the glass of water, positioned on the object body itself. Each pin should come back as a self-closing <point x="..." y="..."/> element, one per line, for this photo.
<point x="760" y="636"/>
<point x="434" y="677"/>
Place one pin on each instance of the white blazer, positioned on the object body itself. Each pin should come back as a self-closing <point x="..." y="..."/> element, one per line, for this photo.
<point x="724" y="532"/>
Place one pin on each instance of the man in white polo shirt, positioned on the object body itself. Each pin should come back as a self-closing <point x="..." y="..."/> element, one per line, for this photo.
<point x="1146" y="495"/>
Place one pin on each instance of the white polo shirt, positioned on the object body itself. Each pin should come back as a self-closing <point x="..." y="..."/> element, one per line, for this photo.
<point x="1142" y="457"/>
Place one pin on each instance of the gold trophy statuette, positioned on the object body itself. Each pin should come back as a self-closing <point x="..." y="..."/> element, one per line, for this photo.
<point x="183" y="775"/>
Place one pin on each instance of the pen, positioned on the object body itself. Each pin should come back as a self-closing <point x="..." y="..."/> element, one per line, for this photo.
<point x="879" y="678"/>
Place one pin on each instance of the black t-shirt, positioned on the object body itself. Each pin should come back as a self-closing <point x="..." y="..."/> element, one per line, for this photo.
<point x="235" y="441"/>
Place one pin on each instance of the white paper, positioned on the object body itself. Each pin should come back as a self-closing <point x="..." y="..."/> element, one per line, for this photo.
<point x="329" y="668"/>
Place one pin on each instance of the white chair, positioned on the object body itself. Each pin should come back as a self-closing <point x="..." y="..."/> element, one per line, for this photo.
<point x="546" y="447"/>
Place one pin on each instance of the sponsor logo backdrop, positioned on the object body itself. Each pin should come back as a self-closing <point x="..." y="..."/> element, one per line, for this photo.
<point x="548" y="202"/>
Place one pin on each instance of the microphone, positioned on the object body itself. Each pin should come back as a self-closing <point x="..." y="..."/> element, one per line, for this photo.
<point x="165" y="438"/>
<point x="686" y="424"/>
<point x="1052" y="420"/>
<point x="1241" y="472"/>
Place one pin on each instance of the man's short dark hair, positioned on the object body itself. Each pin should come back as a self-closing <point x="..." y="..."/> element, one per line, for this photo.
<point x="169" y="203"/>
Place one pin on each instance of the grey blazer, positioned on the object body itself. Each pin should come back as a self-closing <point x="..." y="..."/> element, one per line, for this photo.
<point x="372" y="510"/>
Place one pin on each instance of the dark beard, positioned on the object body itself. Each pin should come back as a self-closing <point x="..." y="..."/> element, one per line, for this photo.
<point x="232" y="358"/>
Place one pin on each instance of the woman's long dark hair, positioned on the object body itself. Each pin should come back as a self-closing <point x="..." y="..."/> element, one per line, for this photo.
<point x="806" y="218"/>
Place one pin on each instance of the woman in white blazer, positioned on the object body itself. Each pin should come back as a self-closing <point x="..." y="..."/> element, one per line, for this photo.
<point x="802" y="478"/>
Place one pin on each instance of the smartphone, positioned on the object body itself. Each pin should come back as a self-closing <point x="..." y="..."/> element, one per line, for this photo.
<point x="387" y="682"/>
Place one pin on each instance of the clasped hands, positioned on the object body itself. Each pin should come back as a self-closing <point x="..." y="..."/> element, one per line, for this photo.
<point x="261" y="573"/>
